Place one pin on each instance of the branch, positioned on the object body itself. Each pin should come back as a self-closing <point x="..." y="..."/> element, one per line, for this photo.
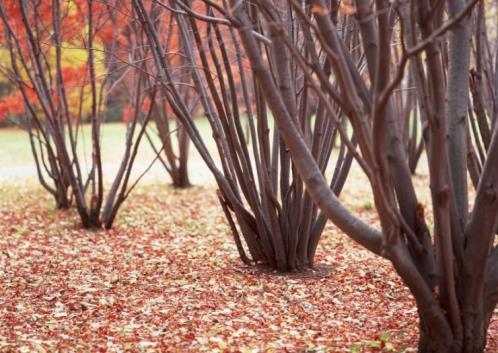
<point x="303" y="159"/>
<point x="384" y="96"/>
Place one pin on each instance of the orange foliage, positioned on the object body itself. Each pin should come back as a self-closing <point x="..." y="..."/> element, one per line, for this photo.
<point x="111" y="26"/>
<point x="11" y="105"/>
<point x="111" y="18"/>
<point x="14" y="14"/>
<point x="129" y="110"/>
<point x="14" y="104"/>
<point x="75" y="76"/>
<point x="73" y="33"/>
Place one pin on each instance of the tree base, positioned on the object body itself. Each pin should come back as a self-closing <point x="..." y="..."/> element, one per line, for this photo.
<point x="317" y="272"/>
<point x="473" y="344"/>
<point x="182" y="185"/>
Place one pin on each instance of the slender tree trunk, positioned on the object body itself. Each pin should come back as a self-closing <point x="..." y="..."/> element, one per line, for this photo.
<point x="62" y="202"/>
<point x="182" y="179"/>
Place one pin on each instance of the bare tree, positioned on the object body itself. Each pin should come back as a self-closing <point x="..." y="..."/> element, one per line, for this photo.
<point x="483" y="110"/>
<point x="173" y="139"/>
<point x="36" y="36"/>
<point x="273" y="220"/>
<point x="175" y="142"/>
<point x="452" y="271"/>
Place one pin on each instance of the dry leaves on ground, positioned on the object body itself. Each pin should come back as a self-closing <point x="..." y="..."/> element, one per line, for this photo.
<point x="167" y="278"/>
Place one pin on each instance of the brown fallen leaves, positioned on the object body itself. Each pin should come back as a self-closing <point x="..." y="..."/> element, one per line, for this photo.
<point x="167" y="279"/>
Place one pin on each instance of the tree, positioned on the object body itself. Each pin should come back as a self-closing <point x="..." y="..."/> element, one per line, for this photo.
<point x="174" y="142"/>
<point x="39" y="37"/>
<point x="483" y="110"/>
<point x="273" y="220"/>
<point x="452" y="271"/>
<point x="173" y="147"/>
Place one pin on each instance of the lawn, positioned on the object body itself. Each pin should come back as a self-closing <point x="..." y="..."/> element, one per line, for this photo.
<point x="16" y="160"/>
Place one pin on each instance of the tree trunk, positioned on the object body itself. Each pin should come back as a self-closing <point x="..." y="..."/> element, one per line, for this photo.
<point x="62" y="201"/>
<point x="180" y="178"/>
<point x="474" y="342"/>
<point x="91" y="220"/>
<point x="183" y="146"/>
<point x="428" y="343"/>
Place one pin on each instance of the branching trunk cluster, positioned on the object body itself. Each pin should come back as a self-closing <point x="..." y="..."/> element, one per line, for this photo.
<point x="419" y="57"/>
<point x="450" y="272"/>
<point x="54" y="126"/>
<point x="174" y="139"/>
<point x="483" y="107"/>
<point x="273" y="220"/>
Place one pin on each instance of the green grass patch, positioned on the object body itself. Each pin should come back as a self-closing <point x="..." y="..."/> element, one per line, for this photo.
<point x="15" y="148"/>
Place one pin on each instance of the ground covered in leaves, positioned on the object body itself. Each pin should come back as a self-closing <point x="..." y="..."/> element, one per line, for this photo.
<point x="167" y="278"/>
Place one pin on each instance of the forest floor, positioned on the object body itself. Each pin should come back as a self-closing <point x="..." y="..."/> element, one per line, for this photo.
<point x="167" y="278"/>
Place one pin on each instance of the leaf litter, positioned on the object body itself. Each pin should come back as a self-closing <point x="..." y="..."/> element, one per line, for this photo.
<point x="167" y="278"/>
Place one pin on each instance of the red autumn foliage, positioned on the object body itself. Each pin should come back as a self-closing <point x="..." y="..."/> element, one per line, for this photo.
<point x="129" y="110"/>
<point x="75" y="76"/>
<point x="11" y="105"/>
<point x="14" y="103"/>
